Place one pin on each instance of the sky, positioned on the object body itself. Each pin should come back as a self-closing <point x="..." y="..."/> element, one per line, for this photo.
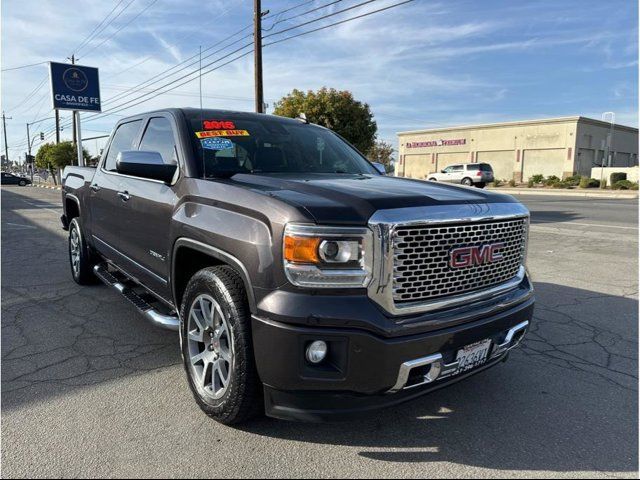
<point x="424" y="64"/>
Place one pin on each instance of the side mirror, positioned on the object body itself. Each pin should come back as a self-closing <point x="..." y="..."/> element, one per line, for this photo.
<point x="380" y="167"/>
<point x="443" y="171"/>
<point x="144" y="165"/>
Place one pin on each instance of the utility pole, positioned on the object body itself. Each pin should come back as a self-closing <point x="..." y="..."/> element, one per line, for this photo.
<point x="73" y="113"/>
<point x="6" y="146"/>
<point x="257" y="54"/>
<point x="58" y="126"/>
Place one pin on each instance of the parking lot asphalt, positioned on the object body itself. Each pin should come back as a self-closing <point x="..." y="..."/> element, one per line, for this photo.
<point x="89" y="389"/>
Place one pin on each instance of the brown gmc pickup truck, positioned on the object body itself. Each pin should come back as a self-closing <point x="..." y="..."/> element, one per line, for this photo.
<point x="303" y="282"/>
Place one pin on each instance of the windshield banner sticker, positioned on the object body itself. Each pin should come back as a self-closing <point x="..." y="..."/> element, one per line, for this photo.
<point x="218" y="125"/>
<point x="216" y="143"/>
<point x="222" y="133"/>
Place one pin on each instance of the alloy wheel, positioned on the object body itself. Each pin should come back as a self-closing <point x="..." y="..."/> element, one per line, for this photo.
<point x="210" y="347"/>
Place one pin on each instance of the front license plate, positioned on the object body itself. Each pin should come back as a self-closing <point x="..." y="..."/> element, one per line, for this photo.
<point x="472" y="356"/>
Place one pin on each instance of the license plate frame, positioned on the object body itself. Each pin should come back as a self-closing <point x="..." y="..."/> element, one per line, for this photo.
<point x="472" y="356"/>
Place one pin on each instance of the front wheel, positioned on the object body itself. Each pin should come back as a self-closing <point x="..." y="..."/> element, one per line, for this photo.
<point x="217" y="350"/>
<point x="22" y="183"/>
<point x="433" y="179"/>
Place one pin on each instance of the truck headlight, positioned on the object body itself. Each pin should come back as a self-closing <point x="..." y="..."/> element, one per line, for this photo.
<point x="327" y="257"/>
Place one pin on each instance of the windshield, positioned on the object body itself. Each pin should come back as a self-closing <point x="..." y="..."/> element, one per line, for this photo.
<point x="230" y="145"/>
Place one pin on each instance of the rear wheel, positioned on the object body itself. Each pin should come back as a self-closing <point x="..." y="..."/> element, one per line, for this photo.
<point x="217" y="350"/>
<point x="80" y="258"/>
<point x="481" y="185"/>
<point x="467" y="181"/>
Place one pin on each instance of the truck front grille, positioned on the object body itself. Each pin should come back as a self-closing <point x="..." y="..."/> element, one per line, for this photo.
<point x="421" y="255"/>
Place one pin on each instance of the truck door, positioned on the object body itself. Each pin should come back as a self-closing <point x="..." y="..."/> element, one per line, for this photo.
<point x="145" y="233"/>
<point x="108" y="211"/>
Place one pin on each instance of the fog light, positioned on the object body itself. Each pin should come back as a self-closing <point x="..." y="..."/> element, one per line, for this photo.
<point x="317" y="351"/>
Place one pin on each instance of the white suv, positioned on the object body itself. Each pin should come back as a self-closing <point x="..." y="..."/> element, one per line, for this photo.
<point x="478" y="174"/>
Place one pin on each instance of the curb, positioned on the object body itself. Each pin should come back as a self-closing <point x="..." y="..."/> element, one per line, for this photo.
<point x="567" y="193"/>
<point x="47" y="187"/>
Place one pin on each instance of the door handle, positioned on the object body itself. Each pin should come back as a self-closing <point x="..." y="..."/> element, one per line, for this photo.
<point x="95" y="187"/>
<point x="124" y="196"/>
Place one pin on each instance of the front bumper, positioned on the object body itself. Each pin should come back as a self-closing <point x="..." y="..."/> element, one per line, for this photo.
<point x="365" y="371"/>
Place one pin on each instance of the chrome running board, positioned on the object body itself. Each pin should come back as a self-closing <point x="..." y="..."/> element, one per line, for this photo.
<point x="168" y="322"/>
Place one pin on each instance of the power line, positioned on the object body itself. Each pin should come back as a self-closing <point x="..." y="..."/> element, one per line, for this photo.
<point x="77" y="51"/>
<point x="122" y="27"/>
<point x="91" y="35"/>
<point x="31" y="94"/>
<point x="336" y="23"/>
<point x="23" y="66"/>
<point x="337" y="12"/>
<point x="299" y="15"/>
<point x="158" y="92"/>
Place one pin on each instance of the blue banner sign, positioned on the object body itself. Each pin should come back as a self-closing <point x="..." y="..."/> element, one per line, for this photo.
<point x="74" y="87"/>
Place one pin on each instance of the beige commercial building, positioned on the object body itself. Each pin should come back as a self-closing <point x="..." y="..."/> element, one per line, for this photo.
<point x="518" y="150"/>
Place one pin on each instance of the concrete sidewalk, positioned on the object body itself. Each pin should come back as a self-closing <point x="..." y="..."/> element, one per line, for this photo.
<point x="560" y="192"/>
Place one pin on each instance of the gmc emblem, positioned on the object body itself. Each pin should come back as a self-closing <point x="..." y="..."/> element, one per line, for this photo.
<point x="473" y="256"/>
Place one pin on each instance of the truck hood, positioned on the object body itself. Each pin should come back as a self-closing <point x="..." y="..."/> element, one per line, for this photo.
<point x="352" y="199"/>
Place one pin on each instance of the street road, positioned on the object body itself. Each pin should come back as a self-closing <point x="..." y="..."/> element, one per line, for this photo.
<point x="90" y="389"/>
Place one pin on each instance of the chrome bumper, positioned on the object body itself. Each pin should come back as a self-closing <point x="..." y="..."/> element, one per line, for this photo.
<point x="439" y="370"/>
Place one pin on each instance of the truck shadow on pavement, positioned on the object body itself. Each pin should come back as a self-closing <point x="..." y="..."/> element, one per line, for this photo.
<point x="565" y="401"/>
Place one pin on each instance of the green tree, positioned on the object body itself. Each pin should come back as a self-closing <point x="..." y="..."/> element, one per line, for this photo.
<point x="55" y="157"/>
<point x="382" y="152"/>
<point x="334" y="109"/>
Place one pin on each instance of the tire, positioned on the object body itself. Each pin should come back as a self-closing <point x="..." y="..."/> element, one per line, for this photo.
<point x="433" y="180"/>
<point x="81" y="259"/>
<point x="481" y="185"/>
<point x="22" y="183"/>
<point x="216" y="343"/>
<point x="467" y="181"/>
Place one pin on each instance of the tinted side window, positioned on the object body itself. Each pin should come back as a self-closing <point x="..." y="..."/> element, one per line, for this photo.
<point x="122" y="140"/>
<point x="473" y="167"/>
<point x="158" y="137"/>
<point x="457" y="168"/>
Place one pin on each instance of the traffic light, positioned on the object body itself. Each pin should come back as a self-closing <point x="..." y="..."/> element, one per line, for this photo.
<point x="41" y="135"/>
<point x="30" y="158"/>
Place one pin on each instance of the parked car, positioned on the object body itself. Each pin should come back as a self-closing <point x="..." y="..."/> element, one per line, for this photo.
<point x="302" y="282"/>
<point x="7" y="178"/>
<point x="478" y="174"/>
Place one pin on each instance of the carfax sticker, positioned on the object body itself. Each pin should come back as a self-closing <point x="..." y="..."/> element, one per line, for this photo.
<point x="218" y="125"/>
<point x="222" y="133"/>
<point x="216" y="143"/>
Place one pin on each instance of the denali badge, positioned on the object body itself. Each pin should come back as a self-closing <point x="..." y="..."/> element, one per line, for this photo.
<point x="472" y="256"/>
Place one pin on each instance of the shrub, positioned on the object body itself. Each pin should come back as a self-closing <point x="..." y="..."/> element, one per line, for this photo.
<point x="616" y="177"/>
<point x="537" y="178"/>
<point x="603" y="183"/>
<point x="622" y="185"/>
<point x="551" y="180"/>
<point x="496" y="183"/>
<point x="586" y="182"/>
<point x="512" y="183"/>
<point x="573" y="180"/>
<point x="562" y="184"/>
<point x="634" y="186"/>
<point x="530" y="183"/>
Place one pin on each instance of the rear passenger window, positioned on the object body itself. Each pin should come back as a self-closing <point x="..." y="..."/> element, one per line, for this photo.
<point x="158" y="137"/>
<point x="123" y="140"/>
